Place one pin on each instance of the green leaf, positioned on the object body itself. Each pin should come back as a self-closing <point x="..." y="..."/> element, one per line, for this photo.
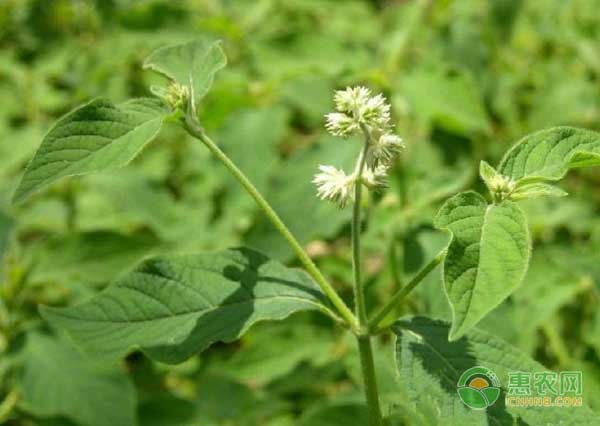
<point x="487" y="173"/>
<point x="431" y="366"/>
<point x="452" y="100"/>
<point x="487" y="257"/>
<point x="536" y="190"/>
<point x="175" y="306"/>
<point x="58" y="381"/>
<point x="192" y="64"/>
<point x="96" y="136"/>
<point x="550" y="154"/>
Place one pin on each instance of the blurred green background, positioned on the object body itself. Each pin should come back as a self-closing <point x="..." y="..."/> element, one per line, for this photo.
<point x="466" y="79"/>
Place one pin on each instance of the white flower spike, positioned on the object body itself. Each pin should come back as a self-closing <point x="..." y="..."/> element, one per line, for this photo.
<point x="334" y="185"/>
<point x="355" y="107"/>
<point x="351" y="99"/>
<point x="376" y="178"/>
<point x="384" y="149"/>
<point x="339" y="124"/>
<point x="358" y="111"/>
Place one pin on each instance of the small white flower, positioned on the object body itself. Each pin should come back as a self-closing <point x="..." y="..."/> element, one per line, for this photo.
<point x="383" y="150"/>
<point x="351" y="99"/>
<point x="334" y="185"/>
<point x="375" y="178"/>
<point x="355" y="107"/>
<point x="339" y="124"/>
<point x="375" y="113"/>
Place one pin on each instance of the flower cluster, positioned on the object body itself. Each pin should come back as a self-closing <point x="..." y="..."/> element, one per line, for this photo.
<point x="175" y="95"/>
<point x="501" y="186"/>
<point x="333" y="184"/>
<point x="358" y="111"/>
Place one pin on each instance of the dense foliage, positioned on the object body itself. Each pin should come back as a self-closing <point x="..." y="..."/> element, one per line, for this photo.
<point x="466" y="80"/>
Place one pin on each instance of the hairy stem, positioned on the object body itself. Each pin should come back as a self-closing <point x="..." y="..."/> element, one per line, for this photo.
<point x="359" y="297"/>
<point x="369" y="379"/>
<point x="364" y="341"/>
<point x="194" y="128"/>
<point x="403" y="292"/>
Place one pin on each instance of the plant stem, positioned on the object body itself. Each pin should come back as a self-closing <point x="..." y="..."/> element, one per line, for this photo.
<point x="7" y="406"/>
<point x="370" y="380"/>
<point x="359" y="297"/>
<point x="194" y="128"/>
<point x="364" y="341"/>
<point x="557" y="344"/>
<point x="401" y="294"/>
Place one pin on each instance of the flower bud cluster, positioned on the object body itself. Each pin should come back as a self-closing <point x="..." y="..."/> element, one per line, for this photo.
<point x="501" y="186"/>
<point x="177" y="95"/>
<point x="358" y="111"/>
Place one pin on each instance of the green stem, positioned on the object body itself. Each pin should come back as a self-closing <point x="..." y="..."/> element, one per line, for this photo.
<point x="7" y="406"/>
<point x="194" y="128"/>
<point x="403" y="292"/>
<point x="364" y="341"/>
<point x="370" y="380"/>
<point x="359" y="297"/>
<point x="557" y="344"/>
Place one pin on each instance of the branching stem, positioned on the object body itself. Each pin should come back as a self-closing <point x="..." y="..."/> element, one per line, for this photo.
<point x="404" y="291"/>
<point x="194" y="128"/>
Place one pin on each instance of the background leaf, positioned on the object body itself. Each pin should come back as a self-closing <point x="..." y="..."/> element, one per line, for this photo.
<point x="90" y="393"/>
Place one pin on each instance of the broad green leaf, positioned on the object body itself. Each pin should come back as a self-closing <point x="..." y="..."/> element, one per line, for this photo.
<point x="96" y="136"/>
<point x="58" y="381"/>
<point x="192" y="64"/>
<point x="550" y="154"/>
<point x="175" y="306"/>
<point x="487" y="256"/>
<point x="431" y="366"/>
<point x="537" y="190"/>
